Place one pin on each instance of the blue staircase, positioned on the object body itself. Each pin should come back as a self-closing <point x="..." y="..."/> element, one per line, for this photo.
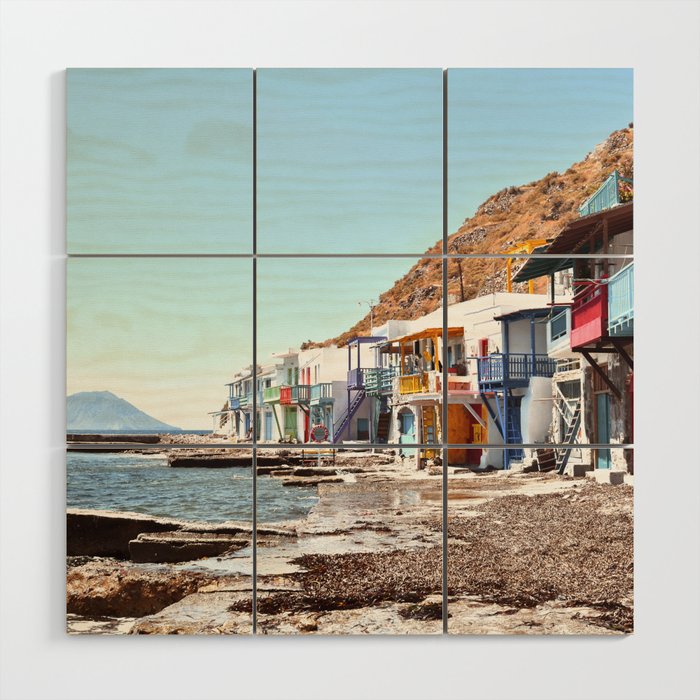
<point x="343" y="422"/>
<point x="513" y="434"/>
<point x="569" y="437"/>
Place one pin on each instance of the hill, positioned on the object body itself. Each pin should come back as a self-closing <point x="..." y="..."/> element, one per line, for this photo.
<point x="101" y="410"/>
<point x="537" y="210"/>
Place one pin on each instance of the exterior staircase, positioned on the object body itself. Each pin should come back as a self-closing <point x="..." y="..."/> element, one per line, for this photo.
<point x="343" y="423"/>
<point x="513" y="434"/>
<point x="383" y="426"/>
<point x="572" y="427"/>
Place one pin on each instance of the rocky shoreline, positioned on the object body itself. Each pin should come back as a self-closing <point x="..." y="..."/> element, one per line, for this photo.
<point x="368" y="559"/>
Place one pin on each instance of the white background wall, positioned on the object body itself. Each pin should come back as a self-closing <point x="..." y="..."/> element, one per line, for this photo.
<point x="38" y="40"/>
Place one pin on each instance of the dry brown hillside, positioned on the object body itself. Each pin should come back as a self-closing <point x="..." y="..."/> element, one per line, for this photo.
<point x="534" y="211"/>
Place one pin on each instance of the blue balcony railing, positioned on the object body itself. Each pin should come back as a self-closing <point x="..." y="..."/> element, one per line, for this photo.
<point x="321" y="393"/>
<point x="514" y="369"/>
<point x="559" y="330"/>
<point x="615" y="190"/>
<point x="356" y="378"/>
<point x="379" y="380"/>
<point x="621" y="302"/>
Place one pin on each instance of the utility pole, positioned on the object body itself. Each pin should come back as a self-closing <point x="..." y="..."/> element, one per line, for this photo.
<point x="371" y="303"/>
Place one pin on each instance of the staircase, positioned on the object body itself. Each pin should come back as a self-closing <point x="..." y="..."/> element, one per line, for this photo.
<point x="572" y="427"/>
<point x="343" y="422"/>
<point x="383" y="426"/>
<point x="513" y="434"/>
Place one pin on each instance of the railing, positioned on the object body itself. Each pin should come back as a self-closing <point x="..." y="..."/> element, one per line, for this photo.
<point x="589" y="313"/>
<point x="321" y="392"/>
<point x="414" y="383"/>
<point x="559" y="330"/>
<point x="234" y="403"/>
<point x="300" y="393"/>
<point x="271" y="394"/>
<point x="615" y="190"/>
<point x="621" y="302"/>
<point x="513" y="368"/>
<point x="356" y="378"/>
<point x="379" y="380"/>
<point x="245" y="401"/>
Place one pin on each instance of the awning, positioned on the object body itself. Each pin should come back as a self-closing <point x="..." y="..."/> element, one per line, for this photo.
<point x="578" y="237"/>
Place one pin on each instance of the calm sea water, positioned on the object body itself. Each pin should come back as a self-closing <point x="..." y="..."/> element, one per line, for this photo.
<point x="145" y="484"/>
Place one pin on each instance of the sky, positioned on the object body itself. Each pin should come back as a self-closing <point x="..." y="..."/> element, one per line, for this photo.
<point x="159" y="160"/>
<point x="349" y="161"/>
<point x="511" y="126"/>
<point x="165" y="334"/>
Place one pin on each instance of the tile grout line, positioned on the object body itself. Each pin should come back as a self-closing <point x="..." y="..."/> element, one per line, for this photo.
<point x="445" y="326"/>
<point x="322" y="256"/>
<point x="254" y="539"/>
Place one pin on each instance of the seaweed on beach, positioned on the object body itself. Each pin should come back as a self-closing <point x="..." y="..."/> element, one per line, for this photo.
<point x="521" y="551"/>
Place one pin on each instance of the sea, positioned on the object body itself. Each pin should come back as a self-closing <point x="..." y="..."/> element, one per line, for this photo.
<point x="146" y="484"/>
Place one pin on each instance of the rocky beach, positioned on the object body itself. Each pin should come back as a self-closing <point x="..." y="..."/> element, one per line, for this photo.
<point x="527" y="554"/>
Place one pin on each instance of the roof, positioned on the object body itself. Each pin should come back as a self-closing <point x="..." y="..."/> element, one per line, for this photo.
<point x="366" y="339"/>
<point x="575" y="238"/>
<point x="524" y="313"/>
<point x="429" y="333"/>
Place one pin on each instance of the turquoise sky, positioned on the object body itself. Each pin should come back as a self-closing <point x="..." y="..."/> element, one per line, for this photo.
<point x="511" y="126"/>
<point x="160" y="160"/>
<point x="348" y="161"/>
<point x="163" y="333"/>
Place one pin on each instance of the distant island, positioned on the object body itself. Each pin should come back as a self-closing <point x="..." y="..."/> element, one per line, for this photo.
<point x="102" y="410"/>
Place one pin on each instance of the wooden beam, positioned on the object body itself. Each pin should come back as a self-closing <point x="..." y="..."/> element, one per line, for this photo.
<point x="599" y="371"/>
<point x="623" y="353"/>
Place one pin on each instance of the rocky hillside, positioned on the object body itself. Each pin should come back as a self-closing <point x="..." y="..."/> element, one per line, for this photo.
<point x="539" y="209"/>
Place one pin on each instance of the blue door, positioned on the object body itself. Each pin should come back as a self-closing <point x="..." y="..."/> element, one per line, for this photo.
<point x="407" y="429"/>
<point x="603" y="430"/>
<point x="268" y="426"/>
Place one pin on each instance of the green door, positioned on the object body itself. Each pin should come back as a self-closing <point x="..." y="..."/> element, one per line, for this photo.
<point x="603" y="430"/>
<point x="290" y="422"/>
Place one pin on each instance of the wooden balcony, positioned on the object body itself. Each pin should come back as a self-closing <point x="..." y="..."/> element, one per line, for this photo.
<point x="589" y="314"/>
<point x="615" y="190"/>
<point x="271" y="394"/>
<point x="621" y="303"/>
<point x="559" y="331"/>
<point x="414" y="383"/>
<point x="513" y="370"/>
<point x="321" y="393"/>
<point x="294" y="395"/>
<point x="379" y="380"/>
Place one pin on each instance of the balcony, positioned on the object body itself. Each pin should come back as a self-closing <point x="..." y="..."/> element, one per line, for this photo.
<point x="356" y="378"/>
<point x="589" y="314"/>
<point x="559" y="332"/>
<point x="234" y="403"/>
<point x="379" y="380"/>
<point x="294" y="395"/>
<point x="621" y="303"/>
<point x="415" y="383"/>
<point x="513" y="370"/>
<point x="321" y="393"/>
<point x="615" y="190"/>
<point x="271" y="394"/>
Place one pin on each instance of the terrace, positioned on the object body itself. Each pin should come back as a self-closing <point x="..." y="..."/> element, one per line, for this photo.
<point x="614" y="191"/>
<point x="621" y="303"/>
<point x="559" y="331"/>
<point x="294" y="395"/>
<point x="321" y="393"/>
<point x="589" y="313"/>
<point x="513" y="369"/>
